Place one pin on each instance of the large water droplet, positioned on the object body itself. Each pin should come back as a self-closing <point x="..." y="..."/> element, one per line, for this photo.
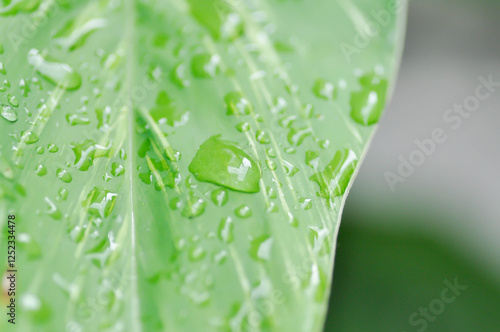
<point x="222" y="162"/>
<point x="57" y="73"/>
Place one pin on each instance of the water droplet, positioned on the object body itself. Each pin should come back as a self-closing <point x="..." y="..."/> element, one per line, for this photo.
<point x="52" y="209"/>
<point x="318" y="237"/>
<point x="262" y="137"/>
<point x="334" y="179"/>
<point x="52" y="148"/>
<point x="16" y="6"/>
<point x="13" y="100"/>
<point x="260" y="248"/>
<point x="236" y="104"/>
<point x="100" y="202"/>
<point x="205" y="65"/>
<point x="312" y="159"/>
<point x="74" y="34"/>
<point x="117" y="169"/>
<point x="271" y="164"/>
<point x="86" y="152"/>
<point x="243" y="211"/>
<point x="297" y="135"/>
<point x="367" y="105"/>
<point x="194" y="207"/>
<point x="9" y="114"/>
<point x="178" y="76"/>
<point x="225" y="231"/>
<point x="223" y="163"/>
<point x="196" y="254"/>
<point x="57" y="73"/>
<point x="77" y="119"/>
<point x="287" y="121"/>
<point x="243" y="127"/>
<point x="219" y="196"/>
<point x="325" y="90"/>
<point x="29" y="137"/>
<point x="290" y="170"/>
<point x="175" y="203"/>
<point x="270" y="193"/>
<point x="40" y="170"/>
<point x="305" y="203"/>
<point x="63" y="175"/>
<point x="40" y="150"/>
<point x="2" y="69"/>
<point x="62" y="194"/>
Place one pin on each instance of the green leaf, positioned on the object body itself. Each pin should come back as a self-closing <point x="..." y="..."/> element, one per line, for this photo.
<point x="182" y="165"/>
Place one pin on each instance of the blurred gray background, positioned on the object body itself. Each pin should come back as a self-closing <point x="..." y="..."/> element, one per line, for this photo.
<point x="396" y="249"/>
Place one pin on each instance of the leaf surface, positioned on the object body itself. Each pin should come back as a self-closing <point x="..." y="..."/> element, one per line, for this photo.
<point x="182" y="165"/>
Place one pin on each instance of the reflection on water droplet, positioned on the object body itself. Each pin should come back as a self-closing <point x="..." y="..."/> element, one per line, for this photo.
<point x="334" y="179"/>
<point x="117" y="169"/>
<point x="223" y="163"/>
<point x="243" y="211"/>
<point x="74" y="34"/>
<point x="52" y="148"/>
<point x="9" y="114"/>
<point x="260" y="248"/>
<point x="57" y="73"/>
<point x="62" y="194"/>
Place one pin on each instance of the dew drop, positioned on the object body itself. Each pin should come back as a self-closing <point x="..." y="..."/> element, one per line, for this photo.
<point x="40" y="170"/>
<point x="29" y="137"/>
<point x="262" y="137"/>
<point x="243" y="127"/>
<point x="219" y="196"/>
<point x="13" y="100"/>
<point x="243" y="211"/>
<point x="367" y="105"/>
<point x="334" y="179"/>
<point x="297" y="135"/>
<point x="64" y="175"/>
<point x="325" y="90"/>
<point x="100" y="202"/>
<point x="8" y="113"/>
<point x="194" y="207"/>
<point x="205" y="65"/>
<point x="236" y="104"/>
<point x="312" y="159"/>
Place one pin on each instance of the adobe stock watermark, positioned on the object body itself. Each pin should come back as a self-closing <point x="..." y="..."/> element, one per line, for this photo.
<point x="454" y="118"/>
<point x="425" y="315"/>
<point x="371" y="29"/>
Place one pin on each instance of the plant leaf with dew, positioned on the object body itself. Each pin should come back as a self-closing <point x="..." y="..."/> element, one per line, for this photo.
<point x="182" y="165"/>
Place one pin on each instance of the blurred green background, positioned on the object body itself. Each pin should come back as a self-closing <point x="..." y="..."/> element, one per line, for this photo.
<point x="397" y="249"/>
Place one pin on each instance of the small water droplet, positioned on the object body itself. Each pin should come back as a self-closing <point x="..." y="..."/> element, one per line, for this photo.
<point x="367" y="105"/>
<point x="194" y="207"/>
<point x="236" y="104"/>
<point x="40" y="170"/>
<point x="100" y="202"/>
<point x="29" y="137"/>
<point x="243" y="211"/>
<point x="52" y="148"/>
<point x="13" y="100"/>
<point x="205" y="65"/>
<point x="325" y="90"/>
<point x="262" y="137"/>
<point x="312" y="159"/>
<point x="64" y="175"/>
<point x="297" y="135"/>
<point x="8" y="113"/>
<point x="219" y="196"/>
